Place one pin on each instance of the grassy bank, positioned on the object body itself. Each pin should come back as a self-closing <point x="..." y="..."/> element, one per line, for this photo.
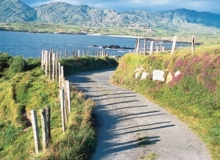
<point x="193" y="96"/>
<point x="24" y="87"/>
<point x="82" y="64"/>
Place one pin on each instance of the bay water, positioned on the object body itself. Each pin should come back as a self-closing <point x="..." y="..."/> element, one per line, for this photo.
<point x="30" y="45"/>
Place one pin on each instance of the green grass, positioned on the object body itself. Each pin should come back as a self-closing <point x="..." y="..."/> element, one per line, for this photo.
<point x="193" y="96"/>
<point x="30" y="89"/>
<point x="76" y="65"/>
<point x="150" y="156"/>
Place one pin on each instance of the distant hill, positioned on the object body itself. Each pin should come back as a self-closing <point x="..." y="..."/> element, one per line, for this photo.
<point x="59" y="12"/>
<point x="16" y="10"/>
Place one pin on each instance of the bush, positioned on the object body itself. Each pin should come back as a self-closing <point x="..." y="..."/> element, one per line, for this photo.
<point x="32" y="63"/>
<point x="17" y="64"/>
<point x="4" y="61"/>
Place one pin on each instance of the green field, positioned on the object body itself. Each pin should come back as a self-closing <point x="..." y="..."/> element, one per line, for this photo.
<point x="206" y="35"/>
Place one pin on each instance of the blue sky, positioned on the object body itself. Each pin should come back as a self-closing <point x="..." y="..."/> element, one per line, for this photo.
<point x="151" y="5"/>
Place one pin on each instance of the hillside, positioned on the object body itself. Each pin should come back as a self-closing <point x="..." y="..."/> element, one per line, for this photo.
<point x="59" y="12"/>
<point x="83" y="14"/>
<point x="16" y="10"/>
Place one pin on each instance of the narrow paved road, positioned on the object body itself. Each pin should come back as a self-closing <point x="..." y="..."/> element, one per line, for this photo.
<point x="124" y="117"/>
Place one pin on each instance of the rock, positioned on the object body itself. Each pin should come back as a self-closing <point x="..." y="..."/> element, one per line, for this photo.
<point x="158" y="75"/>
<point x="116" y="47"/>
<point x="137" y="75"/>
<point x="169" y="78"/>
<point x="138" y="71"/>
<point x="144" y="75"/>
<point x="176" y="74"/>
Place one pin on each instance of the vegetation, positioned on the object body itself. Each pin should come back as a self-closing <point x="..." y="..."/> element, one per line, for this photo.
<point x="76" y="65"/>
<point x="151" y="156"/>
<point x="23" y="87"/>
<point x="193" y="96"/>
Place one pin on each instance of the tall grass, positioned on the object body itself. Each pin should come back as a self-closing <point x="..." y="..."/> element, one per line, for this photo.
<point x="27" y="88"/>
<point x="193" y="96"/>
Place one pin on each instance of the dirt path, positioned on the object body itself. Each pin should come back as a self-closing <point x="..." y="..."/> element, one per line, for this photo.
<point x="131" y="127"/>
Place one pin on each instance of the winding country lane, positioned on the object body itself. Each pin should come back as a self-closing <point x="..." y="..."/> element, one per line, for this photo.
<point x="124" y="117"/>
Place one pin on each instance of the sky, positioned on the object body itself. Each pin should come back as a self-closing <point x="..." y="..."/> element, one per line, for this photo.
<point x="149" y="5"/>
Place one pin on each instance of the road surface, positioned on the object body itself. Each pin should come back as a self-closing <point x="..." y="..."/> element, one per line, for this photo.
<point x="131" y="127"/>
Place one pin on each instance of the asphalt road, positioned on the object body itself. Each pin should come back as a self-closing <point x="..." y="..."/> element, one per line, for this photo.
<point x="125" y="118"/>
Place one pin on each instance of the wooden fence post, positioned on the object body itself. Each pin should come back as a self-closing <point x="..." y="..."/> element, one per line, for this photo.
<point x="48" y="123"/>
<point x="145" y="48"/>
<point x="53" y="69"/>
<point x="163" y="49"/>
<point x="193" y="43"/>
<point x="151" y="47"/>
<point x="44" y="128"/>
<point x="135" y="47"/>
<point x="65" y="104"/>
<point x="62" y="108"/>
<point x="62" y="75"/>
<point x="35" y="130"/>
<point x="49" y="63"/>
<point x="59" y="74"/>
<point x="138" y="46"/>
<point x="174" y="44"/>
<point x="42" y="59"/>
<point x="46" y="61"/>
<point x="65" y="53"/>
<point x="67" y="84"/>
<point x="56" y="66"/>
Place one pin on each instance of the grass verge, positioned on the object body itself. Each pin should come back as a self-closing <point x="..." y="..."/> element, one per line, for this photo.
<point x="193" y="96"/>
<point x="24" y="87"/>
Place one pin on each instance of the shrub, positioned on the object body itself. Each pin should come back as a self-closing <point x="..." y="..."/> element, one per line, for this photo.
<point x="17" y="64"/>
<point x="4" y="61"/>
<point x="32" y="63"/>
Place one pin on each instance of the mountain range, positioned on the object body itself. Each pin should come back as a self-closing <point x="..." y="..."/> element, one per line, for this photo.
<point x="60" y="12"/>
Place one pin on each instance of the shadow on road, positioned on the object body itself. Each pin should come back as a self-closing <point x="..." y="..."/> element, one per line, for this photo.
<point x="120" y="117"/>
